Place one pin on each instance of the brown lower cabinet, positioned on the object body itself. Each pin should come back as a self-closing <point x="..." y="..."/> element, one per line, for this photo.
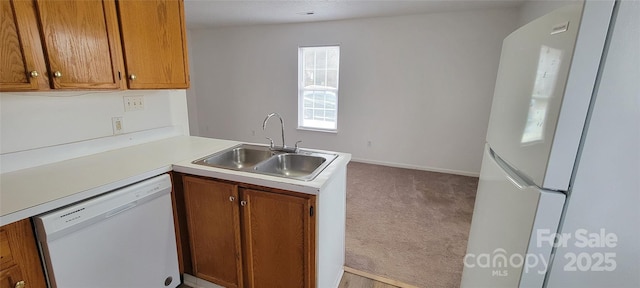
<point x="19" y="260"/>
<point x="245" y="236"/>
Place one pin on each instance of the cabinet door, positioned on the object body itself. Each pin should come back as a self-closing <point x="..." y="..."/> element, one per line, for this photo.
<point x="19" y="259"/>
<point x="21" y="56"/>
<point x="213" y="224"/>
<point x="277" y="240"/>
<point x="9" y="278"/>
<point x="82" y="43"/>
<point x="154" y="41"/>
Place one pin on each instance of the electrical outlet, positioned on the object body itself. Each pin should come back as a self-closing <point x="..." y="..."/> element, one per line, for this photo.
<point x="117" y="124"/>
<point x="133" y="103"/>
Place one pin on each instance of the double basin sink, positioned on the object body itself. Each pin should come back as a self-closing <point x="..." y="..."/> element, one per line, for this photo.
<point x="302" y="165"/>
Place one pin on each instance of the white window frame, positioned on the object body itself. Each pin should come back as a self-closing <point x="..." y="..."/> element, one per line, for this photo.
<point x="302" y="90"/>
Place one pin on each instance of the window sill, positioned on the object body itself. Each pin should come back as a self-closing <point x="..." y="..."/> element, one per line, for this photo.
<point x="318" y="130"/>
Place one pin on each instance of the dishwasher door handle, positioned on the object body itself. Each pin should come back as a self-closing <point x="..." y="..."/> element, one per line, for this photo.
<point x="121" y="209"/>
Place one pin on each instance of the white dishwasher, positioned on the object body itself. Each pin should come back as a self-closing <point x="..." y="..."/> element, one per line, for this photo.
<point x="122" y="239"/>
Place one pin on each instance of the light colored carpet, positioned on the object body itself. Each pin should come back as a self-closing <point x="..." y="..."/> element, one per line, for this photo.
<point x="408" y="225"/>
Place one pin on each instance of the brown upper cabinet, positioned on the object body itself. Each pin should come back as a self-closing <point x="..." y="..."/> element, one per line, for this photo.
<point x="21" y="57"/>
<point x="83" y="45"/>
<point x="154" y="41"/>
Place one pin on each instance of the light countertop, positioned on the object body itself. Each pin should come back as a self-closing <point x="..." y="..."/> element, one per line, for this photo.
<point x="29" y="192"/>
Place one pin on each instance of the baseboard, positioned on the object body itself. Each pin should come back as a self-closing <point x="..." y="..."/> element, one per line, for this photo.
<point x="337" y="284"/>
<point x="416" y="167"/>
<point x="189" y="280"/>
<point x="378" y="278"/>
<point x="196" y="282"/>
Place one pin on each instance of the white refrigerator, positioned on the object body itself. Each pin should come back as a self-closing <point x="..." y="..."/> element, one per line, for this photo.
<point x="547" y="75"/>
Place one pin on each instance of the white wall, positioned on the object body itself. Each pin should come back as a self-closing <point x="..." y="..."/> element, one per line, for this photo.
<point x="194" y="128"/>
<point x="61" y="125"/>
<point x="418" y="87"/>
<point x="606" y="190"/>
<point x="533" y="9"/>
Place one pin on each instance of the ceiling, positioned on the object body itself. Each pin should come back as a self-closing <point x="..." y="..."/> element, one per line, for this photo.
<point x="201" y="14"/>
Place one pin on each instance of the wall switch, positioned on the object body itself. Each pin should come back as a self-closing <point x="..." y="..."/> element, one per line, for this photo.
<point x="118" y="125"/>
<point x="133" y="103"/>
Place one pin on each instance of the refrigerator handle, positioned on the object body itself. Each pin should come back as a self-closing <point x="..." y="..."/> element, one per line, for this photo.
<point x="512" y="175"/>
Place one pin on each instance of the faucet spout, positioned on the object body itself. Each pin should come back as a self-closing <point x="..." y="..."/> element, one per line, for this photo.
<point x="284" y="147"/>
<point x="264" y="125"/>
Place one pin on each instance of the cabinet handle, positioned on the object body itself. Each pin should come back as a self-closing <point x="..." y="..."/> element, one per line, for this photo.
<point x="20" y="284"/>
<point x="243" y="203"/>
<point x="34" y="74"/>
<point x="231" y="198"/>
<point x="133" y="77"/>
<point x="57" y="74"/>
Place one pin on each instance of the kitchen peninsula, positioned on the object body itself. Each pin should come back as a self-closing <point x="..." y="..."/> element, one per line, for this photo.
<point x="29" y="192"/>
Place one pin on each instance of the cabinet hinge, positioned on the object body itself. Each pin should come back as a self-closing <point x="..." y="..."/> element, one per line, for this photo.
<point x="311" y="211"/>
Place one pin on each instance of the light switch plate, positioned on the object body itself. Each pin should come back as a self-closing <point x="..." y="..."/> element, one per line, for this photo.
<point x="133" y="103"/>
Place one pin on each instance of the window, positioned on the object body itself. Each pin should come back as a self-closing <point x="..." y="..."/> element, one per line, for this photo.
<point x="318" y="87"/>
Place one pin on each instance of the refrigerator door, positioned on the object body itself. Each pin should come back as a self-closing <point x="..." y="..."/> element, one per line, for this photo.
<point x="542" y="94"/>
<point x="512" y="229"/>
<point x="602" y="216"/>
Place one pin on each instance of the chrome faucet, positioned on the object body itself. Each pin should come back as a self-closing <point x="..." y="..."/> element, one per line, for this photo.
<point x="284" y="147"/>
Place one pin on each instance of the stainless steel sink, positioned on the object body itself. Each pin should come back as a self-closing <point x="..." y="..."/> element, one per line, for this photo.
<point x="289" y="165"/>
<point x="303" y="165"/>
<point x="238" y="157"/>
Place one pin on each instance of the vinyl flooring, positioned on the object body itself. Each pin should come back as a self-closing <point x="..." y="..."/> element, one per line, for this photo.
<point x="350" y="280"/>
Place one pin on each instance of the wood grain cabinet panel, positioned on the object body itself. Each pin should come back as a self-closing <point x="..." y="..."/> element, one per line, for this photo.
<point x="214" y="229"/>
<point x="9" y="278"/>
<point x="154" y="42"/>
<point x="76" y="44"/>
<point x="277" y="240"/>
<point x="21" y="57"/>
<point x="19" y="259"/>
<point x="243" y="236"/>
<point x="82" y="43"/>
<point x="6" y="257"/>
